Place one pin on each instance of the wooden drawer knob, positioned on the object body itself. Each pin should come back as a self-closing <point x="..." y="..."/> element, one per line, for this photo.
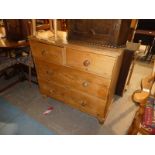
<point x="83" y="103"/>
<point x="43" y="52"/>
<point x="49" y="72"/>
<point x="86" y="63"/>
<point x="51" y="91"/>
<point x="85" y="84"/>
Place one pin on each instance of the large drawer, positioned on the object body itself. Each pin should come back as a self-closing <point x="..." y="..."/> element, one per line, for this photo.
<point x="46" y="52"/>
<point x="91" y="62"/>
<point x="86" y="82"/>
<point x="85" y="103"/>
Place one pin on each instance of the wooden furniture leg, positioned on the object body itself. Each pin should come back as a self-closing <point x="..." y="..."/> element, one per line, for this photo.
<point x="101" y="120"/>
<point x="135" y="126"/>
<point x="141" y="98"/>
<point x="30" y="64"/>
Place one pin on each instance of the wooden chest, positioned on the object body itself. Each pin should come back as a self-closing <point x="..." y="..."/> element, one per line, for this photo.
<point x="107" y="32"/>
<point x="78" y="75"/>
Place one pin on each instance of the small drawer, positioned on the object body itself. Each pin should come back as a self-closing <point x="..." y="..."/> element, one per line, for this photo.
<point x="91" y="62"/>
<point x="82" y="81"/>
<point x="46" y="52"/>
<point x="81" y="101"/>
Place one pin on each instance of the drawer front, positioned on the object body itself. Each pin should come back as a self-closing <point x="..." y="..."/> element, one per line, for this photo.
<point x="49" y="53"/>
<point x="86" y="82"/>
<point x="89" y="104"/>
<point x="90" y="62"/>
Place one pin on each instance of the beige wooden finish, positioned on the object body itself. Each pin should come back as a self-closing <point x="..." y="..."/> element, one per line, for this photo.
<point x="81" y="76"/>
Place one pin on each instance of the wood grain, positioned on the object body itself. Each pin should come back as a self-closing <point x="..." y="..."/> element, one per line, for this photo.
<point x="98" y="64"/>
<point x="85" y="82"/>
<point x="48" y="53"/>
<point x="77" y="75"/>
<point x="113" y="83"/>
<point x="81" y="101"/>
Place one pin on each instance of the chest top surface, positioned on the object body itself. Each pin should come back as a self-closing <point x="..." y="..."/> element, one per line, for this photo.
<point x="62" y="42"/>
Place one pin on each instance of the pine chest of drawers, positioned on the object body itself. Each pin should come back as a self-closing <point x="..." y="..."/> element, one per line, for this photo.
<point x="82" y="76"/>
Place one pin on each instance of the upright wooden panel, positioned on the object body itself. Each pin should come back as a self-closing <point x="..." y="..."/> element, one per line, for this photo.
<point x="124" y="71"/>
<point x="17" y="29"/>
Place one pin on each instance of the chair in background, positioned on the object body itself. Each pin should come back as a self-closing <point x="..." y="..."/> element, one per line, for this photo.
<point x="133" y="47"/>
<point x="144" y="119"/>
<point x="6" y="63"/>
<point x="16" y="42"/>
<point x="11" y="45"/>
<point x="25" y="57"/>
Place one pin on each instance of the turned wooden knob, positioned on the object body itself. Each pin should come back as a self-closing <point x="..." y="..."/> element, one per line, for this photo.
<point x="52" y="91"/>
<point x="43" y="52"/>
<point x="85" y="84"/>
<point x="83" y="103"/>
<point x="49" y="72"/>
<point x="86" y="63"/>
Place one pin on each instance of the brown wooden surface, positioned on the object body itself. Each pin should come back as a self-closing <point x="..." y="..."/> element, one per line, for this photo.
<point x="17" y="29"/>
<point x="90" y="62"/>
<point x="111" y="52"/>
<point x="134" y="23"/>
<point x="82" y="101"/>
<point x="62" y="42"/>
<point x="82" y="81"/>
<point x="124" y="71"/>
<point x="47" y="52"/>
<point x="6" y="44"/>
<point x="140" y="97"/>
<point x="114" y="80"/>
<point x="86" y="85"/>
<point x="146" y="32"/>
